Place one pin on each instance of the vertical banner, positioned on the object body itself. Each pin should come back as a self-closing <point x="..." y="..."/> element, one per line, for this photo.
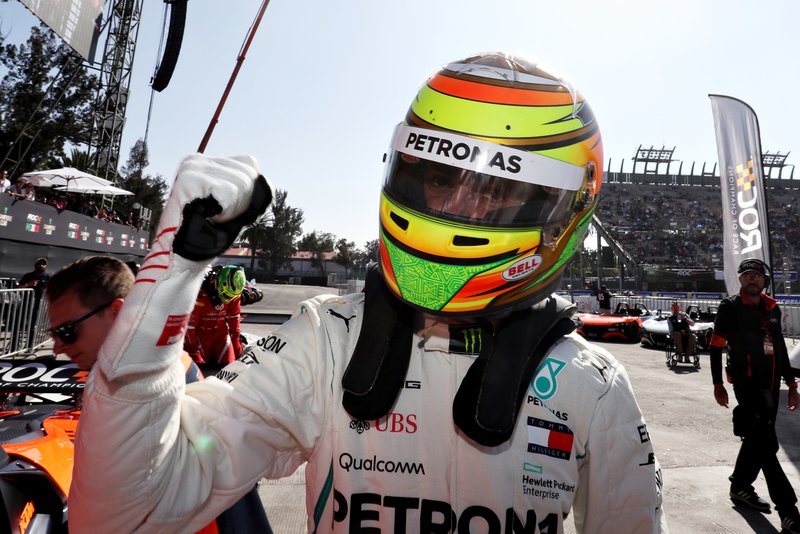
<point x="745" y="233"/>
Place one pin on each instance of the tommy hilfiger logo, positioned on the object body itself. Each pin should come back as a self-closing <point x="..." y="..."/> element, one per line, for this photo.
<point x="549" y="438"/>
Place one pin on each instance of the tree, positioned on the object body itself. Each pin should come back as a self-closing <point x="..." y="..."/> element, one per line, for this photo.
<point x="255" y="236"/>
<point x="372" y="250"/>
<point x="346" y="254"/>
<point x="43" y="74"/>
<point x="318" y="243"/>
<point x="272" y="237"/>
<point x="148" y="191"/>
<point x="78" y="159"/>
<point x="363" y="257"/>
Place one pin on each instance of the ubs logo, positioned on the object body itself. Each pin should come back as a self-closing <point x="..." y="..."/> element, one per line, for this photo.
<point x="393" y="423"/>
<point x="396" y="422"/>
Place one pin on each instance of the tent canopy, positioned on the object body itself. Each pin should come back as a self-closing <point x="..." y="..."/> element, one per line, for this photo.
<point x="72" y="180"/>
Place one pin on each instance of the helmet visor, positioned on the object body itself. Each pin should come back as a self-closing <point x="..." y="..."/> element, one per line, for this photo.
<point x="482" y="194"/>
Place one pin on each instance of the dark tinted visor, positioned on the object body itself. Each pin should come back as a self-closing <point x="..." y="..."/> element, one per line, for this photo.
<point x="461" y="195"/>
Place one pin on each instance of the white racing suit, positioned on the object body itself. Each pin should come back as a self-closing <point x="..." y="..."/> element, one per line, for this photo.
<point x="156" y="456"/>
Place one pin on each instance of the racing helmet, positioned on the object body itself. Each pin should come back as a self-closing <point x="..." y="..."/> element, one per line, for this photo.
<point x="490" y="185"/>
<point x="229" y="281"/>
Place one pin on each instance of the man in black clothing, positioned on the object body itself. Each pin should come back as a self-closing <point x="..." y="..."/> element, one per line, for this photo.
<point x="37" y="279"/>
<point x="749" y="324"/>
<point x="604" y="298"/>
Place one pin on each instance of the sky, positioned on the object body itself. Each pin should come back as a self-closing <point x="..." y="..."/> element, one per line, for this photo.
<point x="324" y="83"/>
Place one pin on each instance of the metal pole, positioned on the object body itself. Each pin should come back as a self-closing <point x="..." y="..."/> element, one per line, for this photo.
<point x="599" y="259"/>
<point x="583" y="270"/>
<point x="239" y="60"/>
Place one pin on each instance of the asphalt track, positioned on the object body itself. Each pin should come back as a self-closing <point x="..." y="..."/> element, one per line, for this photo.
<point x="691" y="435"/>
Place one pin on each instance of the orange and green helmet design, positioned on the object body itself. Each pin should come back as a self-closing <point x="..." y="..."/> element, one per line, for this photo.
<point x="491" y="182"/>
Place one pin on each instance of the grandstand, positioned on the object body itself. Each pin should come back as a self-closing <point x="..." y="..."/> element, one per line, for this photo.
<point x="670" y="221"/>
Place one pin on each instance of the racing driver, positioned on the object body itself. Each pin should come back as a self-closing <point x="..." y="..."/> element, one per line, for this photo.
<point x="213" y="332"/>
<point x="452" y="395"/>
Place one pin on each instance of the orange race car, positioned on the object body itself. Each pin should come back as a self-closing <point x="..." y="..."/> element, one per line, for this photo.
<point x="625" y="324"/>
<point x="39" y="413"/>
<point x="38" y="418"/>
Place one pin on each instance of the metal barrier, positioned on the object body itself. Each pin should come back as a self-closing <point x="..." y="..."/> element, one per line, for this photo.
<point x="663" y="304"/>
<point x="8" y="283"/>
<point x="588" y="303"/>
<point x="24" y="322"/>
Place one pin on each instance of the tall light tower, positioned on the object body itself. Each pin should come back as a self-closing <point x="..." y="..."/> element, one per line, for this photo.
<point x="770" y="161"/>
<point x="115" y="80"/>
<point x="652" y="159"/>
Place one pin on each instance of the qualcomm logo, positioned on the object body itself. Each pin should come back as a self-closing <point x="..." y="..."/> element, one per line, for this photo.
<point x="544" y="384"/>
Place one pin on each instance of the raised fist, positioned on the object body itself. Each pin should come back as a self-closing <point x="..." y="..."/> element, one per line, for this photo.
<point x="211" y="200"/>
<point x="211" y="222"/>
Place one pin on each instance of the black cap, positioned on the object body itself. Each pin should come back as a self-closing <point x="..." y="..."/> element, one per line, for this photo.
<point x="752" y="264"/>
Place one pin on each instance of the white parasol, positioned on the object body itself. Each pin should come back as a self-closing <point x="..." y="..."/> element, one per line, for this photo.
<point x="72" y="180"/>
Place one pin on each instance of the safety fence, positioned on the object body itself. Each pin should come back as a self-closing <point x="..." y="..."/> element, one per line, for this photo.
<point x="24" y="322"/>
<point x="588" y="303"/>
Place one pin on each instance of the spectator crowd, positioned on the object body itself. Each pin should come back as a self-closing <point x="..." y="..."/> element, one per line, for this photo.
<point x="62" y="200"/>
<point x="681" y="225"/>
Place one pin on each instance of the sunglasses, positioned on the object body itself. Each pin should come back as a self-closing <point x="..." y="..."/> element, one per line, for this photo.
<point x="66" y="332"/>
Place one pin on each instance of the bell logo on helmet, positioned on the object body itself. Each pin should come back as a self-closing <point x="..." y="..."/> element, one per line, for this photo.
<point x="522" y="268"/>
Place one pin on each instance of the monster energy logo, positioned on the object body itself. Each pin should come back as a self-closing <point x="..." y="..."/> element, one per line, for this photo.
<point x="466" y="340"/>
<point x="473" y="340"/>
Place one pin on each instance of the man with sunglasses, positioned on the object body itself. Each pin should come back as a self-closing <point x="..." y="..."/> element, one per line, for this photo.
<point x="85" y="298"/>
<point x="749" y="325"/>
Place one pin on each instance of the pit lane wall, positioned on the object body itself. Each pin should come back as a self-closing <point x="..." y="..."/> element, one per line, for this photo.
<point x="29" y="230"/>
<point x="662" y="300"/>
